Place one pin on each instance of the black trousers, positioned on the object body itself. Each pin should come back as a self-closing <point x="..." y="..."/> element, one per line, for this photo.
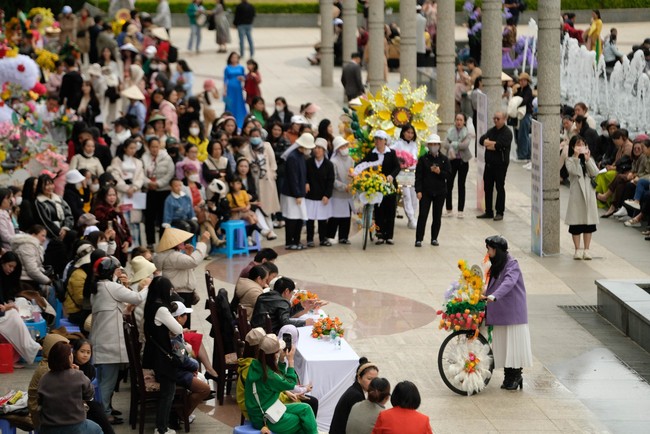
<point x="322" y="230"/>
<point x="154" y="213"/>
<point x="292" y="231"/>
<point x="461" y="168"/>
<point x="437" y="201"/>
<point x="385" y="216"/>
<point x="97" y="415"/>
<point x="340" y="223"/>
<point x="494" y="176"/>
<point x="166" y="397"/>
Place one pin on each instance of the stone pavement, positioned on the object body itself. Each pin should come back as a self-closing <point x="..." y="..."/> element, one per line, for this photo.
<point x="387" y="295"/>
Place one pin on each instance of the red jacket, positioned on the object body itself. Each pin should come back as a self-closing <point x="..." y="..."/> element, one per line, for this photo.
<point x="399" y="420"/>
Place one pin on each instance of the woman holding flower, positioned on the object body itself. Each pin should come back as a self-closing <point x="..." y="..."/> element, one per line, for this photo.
<point x="507" y="313"/>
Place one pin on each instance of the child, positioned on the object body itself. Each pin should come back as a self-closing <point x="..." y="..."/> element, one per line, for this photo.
<point x="252" y="83"/>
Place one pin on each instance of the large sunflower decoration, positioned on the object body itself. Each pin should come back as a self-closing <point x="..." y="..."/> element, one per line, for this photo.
<point x="392" y="110"/>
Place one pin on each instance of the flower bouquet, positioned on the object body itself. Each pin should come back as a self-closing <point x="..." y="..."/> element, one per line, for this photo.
<point x="369" y="184"/>
<point x="406" y="159"/>
<point x="464" y="308"/>
<point x="301" y="295"/>
<point x="323" y="328"/>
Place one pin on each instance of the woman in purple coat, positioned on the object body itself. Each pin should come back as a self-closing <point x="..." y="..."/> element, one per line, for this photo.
<point x="507" y="313"/>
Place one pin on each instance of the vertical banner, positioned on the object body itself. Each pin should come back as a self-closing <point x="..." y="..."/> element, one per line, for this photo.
<point x="481" y="128"/>
<point x="536" y="185"/>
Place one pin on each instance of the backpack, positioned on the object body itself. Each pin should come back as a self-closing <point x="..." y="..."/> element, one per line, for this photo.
<point x="172" y="56"/>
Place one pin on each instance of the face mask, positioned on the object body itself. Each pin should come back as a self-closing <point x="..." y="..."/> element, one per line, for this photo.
<point x="345" y="152"/>
<point x="122" y="136"/>
<point x="102" y="245"/>
<point x="18" y="200"/>
<point x="279" y="108"/>
<point x="194" y="177"/>
<point x="307" y="152"/>
<point x="194" y="131"/>
<point x="94" y="188"/>
<point x="255" y="141"/>
<point x="434" y="149"/>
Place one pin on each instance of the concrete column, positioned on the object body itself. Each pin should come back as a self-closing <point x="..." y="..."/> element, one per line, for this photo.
<point x="445" y="58"/>
<point x="327" y="44"/>
<point x="548" y="97"/>
<point x="491" y="54"/>
<point x="349" y="29"/>
<point x="408" y="53"/>
<point x="376" y="57"/>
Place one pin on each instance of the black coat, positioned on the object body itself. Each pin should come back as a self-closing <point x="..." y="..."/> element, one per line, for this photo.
<point x="342" y="410"/>
<point x="295" y="175"/>
<point x="390" y="166"/>
<point x="75" y="200"/>
<point x="427" y="182"/>
<point x="275" y="117"/>
<point x="501" y="153"/>
<point x="278" y="308"/>
<point x="320" y="179"/>
<point x="71" y="89"/>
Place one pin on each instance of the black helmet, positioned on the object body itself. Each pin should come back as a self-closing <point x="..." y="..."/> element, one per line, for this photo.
<point x="105" y="267"/>
<point x="497" y="242"/>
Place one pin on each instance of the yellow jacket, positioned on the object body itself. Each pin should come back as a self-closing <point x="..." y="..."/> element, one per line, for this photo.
<point x="202" y="145"/>
<point x="74" y="296"/>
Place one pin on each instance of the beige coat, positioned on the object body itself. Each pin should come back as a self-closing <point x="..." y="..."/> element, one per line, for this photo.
<point x="92" y="164"/>
<point x="582" y="208"/>
<point x="179" y="267"/>
<point x="107" y="334"/>
<point x="247" y="291"/>
<point x="68" y="24"/>
<point x="266" y="188"/>
<point x="84" y="41"/>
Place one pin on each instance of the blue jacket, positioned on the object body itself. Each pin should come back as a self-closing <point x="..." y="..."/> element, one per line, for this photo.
<point x="178" y="209"/>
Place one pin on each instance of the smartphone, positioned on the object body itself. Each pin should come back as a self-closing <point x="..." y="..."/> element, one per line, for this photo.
<point x="110" y="225"/>
<point x="286" y="337"/>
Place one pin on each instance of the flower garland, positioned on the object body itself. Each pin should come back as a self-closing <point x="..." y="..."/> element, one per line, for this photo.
<point x="468" y="365"/>
<point x="324" y="327"/>
<point x="464" y="308"/>
<point x="302" y="295"/>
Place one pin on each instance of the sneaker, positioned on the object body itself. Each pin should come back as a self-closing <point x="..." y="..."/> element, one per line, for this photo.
<point x="418" y="244"/>
<point x="310" y="244"/>
<point x="192" y="418"/>
<point x="411" y="224"/>
<point x="271" y="235"/>
<point x="460" y="215"/>
<point x="448" y="213"/>
<point x="325" y="243"/>
<point x="577" y="255"/>
<point x="345" y="241"/>
<point x="528" y="166"/>
<point x="632" y="224"/>
<point x="586" y="255"/>
<point x="622" y="212"/>
<point x="633" y="204"/>
<point x="251" y="242"/>
<point x="390" y="241"/>
<point x="169" y="431"/>
<point x="434" y="243"/>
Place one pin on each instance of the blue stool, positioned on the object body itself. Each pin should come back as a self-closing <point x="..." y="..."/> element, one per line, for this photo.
<point x="98" y="392"/>
<point x="37" y="329"/>
<point x="6" y="428"/>
<point x="236" y="242"/>
<point x="58" y="307"/>
<point x="71" y="328"/>
<point x="246" y="428"/>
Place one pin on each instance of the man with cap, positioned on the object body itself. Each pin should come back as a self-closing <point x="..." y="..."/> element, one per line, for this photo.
<point x="351" y="77"/>
<point x="76" y="193"/>
<point x="507" y="313"/>
<point x="293" y="192"/>
<point x="342" y="202"/>
<point x="177" y="260"/>
<point x="385" y="212"/>
<point x="523" y="138"/>
<point x="497" y="143"/>
<point x="431" y="173"/>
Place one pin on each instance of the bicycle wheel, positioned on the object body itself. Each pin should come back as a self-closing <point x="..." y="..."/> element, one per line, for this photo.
<point x="366" y="222"/>
<point x="455" y="356"/>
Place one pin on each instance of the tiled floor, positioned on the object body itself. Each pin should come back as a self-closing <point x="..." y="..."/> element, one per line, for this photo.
<point x="387" y="295"/>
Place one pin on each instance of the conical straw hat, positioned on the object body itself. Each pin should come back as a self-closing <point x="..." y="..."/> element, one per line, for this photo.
<point x="133" y="92"/>
<point x="172" y="237"/>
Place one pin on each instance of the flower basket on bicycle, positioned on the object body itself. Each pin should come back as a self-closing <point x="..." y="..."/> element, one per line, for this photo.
<point x="465" y="358"/>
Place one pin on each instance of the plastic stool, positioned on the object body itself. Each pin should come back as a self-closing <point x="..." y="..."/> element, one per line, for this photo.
<point x="6" y="359"/>
<point x="236" y="242"/>
<point x="71" y="328"/>
<point x="6" y="428"/>
<point x="246" y="428"/>
<point x="38" y="329"/>
<point x="257" y="237"/>
<point x="59" y="313"/>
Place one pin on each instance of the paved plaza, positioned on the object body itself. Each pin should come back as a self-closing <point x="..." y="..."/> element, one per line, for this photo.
<point x="387" y="295"/>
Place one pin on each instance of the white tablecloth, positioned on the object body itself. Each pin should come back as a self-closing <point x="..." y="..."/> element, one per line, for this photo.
<point x="330" y="370"/>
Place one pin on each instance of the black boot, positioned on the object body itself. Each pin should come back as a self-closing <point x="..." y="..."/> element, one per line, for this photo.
<point x="507" y="377"/>
<point x="516" y="380"/>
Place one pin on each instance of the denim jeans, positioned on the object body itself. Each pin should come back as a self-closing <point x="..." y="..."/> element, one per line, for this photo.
<point x="523" y="139"/>
<point x="245" y="30"/>
<point x="107" y="374"/>
<point x="85" y="427"/>
<point x="195" y="33"/>
<point x="642" y="186"/>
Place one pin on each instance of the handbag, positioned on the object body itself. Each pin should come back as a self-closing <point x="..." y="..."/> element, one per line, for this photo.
<point x="275" y="412"/>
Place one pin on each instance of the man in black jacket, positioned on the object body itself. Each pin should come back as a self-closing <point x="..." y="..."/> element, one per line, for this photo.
<point x="70" y="92"/>
<point x="431" y="175"/>
<point x="351" y="77"/>
<point x="497" y="143"/>
<point x="244" y="16"/>
<point x="276" y="304"/>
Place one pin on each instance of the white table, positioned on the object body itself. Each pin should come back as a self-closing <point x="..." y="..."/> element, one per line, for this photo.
<point x="330" y="370"/>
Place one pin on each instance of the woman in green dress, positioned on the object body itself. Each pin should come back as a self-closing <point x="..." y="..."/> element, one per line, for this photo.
<point x="264" y="373"/>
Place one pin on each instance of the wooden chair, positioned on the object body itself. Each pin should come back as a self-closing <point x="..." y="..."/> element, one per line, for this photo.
<point x="268" y="324"/>
<point x="144" y="388"/>
<point x="209" y="284"/>
<point x="242" y="321"/>
<point x="224" y="363"/>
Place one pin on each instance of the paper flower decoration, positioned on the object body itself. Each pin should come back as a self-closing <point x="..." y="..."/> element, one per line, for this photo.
<point x="392" y="110"/>
<point x="20" y="70"/>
